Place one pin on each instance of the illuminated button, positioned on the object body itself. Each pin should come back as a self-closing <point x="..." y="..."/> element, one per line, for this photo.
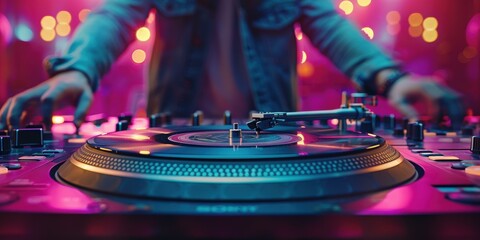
<point x="473" y="170"/>
<point x="53" y="151"/>
<point x="451" y="134"/>
<point x="34" y="158"/>
<point x="3" y="170"/>
<point x="429" y="134"/>
<point x="77" y="140"/>
<point x="444" y="158"/>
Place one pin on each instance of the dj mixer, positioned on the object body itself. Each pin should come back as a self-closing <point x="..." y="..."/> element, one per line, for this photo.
<point x="163" y="176"/>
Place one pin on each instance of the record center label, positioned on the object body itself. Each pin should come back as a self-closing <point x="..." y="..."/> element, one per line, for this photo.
<point x="222" y="139"/>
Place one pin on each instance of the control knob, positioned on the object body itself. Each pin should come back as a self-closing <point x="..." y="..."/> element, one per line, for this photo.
<point x="197" y="118"/>
<point x="125" y="117"/>
<point x="121" y="125"/>
<point x="475" y="145"/>
<point x="366" y="126"/>
<point x="22" y="137"/>
<point x="5" y="145"/>
<point x="227" y="118"/>
<point x="389" y="122"/>
<point x="415" y="131"/>
<point x="156" y="120"/>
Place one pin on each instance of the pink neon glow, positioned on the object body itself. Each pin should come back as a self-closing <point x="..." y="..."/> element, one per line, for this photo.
<point x="5" y="29"/>
<point x="473" y="31"/>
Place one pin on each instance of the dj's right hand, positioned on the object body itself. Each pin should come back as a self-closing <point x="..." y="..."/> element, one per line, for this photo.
<point x="67" y="88"/>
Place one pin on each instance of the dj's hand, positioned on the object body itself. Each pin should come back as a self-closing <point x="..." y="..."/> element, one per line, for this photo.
<point x="69" y="88"/>
<point x="439" y="100"/>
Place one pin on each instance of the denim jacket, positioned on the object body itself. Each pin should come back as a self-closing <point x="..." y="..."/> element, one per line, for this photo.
<point x="268" y="41"/>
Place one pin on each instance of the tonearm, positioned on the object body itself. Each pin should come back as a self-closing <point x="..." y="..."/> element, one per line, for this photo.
<point x="356" y="111"/>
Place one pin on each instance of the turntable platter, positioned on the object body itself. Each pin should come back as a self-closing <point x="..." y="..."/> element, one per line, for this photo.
<point x="214" y="143"/>
<point x="204" y="163"/>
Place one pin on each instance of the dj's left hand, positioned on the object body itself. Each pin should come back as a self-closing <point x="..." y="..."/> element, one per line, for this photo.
<point x="439" y="100"/>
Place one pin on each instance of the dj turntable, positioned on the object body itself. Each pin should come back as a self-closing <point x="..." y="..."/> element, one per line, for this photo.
<point x="262" y="177"/>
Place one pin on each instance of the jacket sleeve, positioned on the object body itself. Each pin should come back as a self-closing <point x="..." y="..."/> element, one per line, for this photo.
<point x="342" y="43"/>
<point x="100" y="40"/>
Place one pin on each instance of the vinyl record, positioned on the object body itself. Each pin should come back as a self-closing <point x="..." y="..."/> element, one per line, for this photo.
<point x="213" y="142"/>
<point x="205" y="163"/>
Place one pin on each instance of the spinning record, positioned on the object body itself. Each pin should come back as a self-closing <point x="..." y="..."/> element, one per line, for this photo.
<point x="214" y="143"/>
<point x="207" y="163"/>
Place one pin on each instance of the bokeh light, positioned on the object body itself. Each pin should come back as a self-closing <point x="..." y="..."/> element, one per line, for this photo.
<point x="48" y="22"/>
<point x="364" y="3"/>
<point x="23" y="33"/>
<point x="139" y="56"/>
<point x="143" y="34"/>
<point x="298" y="33"/>
<point x="346" y="7"/>
<point x="5" y="29"/>
<point x="304" y="57"/>
<point x="430" y="23"/>
<point x="393" y="17"/>
<point x="82" y="15"/>
<point x="63" y="29"/>
<point x="415" y="31"/>
<point x="473" y="31"/>
<point x="305" y="70"/>
<point x="58" y="119"/>
<point x="64" y="17"/>
<point x="415" y="19"/>
<point x="151" y="17"/>
<point x="47" y="35"/>
<point x="430" y="36"/>
<point x="369" y="32"/>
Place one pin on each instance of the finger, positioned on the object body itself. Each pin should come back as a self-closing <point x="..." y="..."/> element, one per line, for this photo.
<point x="48" y="101"/>
<point x="455" y="110"/>
<point x="404" y="107"/>
<point x="16" y="111"/>
<point x="20" y="102"/>
<point x="84" y="103"/>
<point x="3" y="114"/>
<point x="449" y="103"/>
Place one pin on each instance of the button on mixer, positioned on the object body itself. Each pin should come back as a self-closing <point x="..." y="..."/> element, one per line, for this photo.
<point x="27" y="137"/>
<point x="444" y="158"/>
<point x="475" y="145"/>
<point x="5" y="145"/>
